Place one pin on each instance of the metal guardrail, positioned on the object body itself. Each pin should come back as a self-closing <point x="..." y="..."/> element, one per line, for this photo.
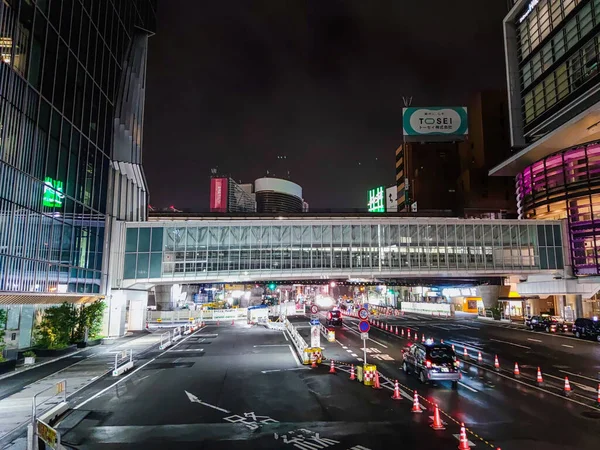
<point x="39" y="428"/>
<point x="185" y="315"/>
<point x="298" y="340"/>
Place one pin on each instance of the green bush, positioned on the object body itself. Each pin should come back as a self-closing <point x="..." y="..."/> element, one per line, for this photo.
<point x="66" y="324"/>
<point x="29" y="354"/>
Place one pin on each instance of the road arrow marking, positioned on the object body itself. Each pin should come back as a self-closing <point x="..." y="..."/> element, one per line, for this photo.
<point x="195" y="399"/>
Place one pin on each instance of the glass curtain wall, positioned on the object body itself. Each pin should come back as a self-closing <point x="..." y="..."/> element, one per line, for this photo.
<point x="60" y="66"/>
<point x="235" y="249"/>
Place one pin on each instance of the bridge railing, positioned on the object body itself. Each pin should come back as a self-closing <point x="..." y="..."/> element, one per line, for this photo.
<point x="189" y="316"/>
<point x="298" y="340"/>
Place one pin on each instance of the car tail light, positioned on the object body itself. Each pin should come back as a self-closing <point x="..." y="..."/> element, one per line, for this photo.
<point x="428" y="364"/>
<point x="329" y="315"/>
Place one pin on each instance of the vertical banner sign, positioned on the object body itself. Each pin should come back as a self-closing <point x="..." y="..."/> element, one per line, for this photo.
<point x="218" y="195"/>
<point x="376" y="200"/>
<point x="315" y="336"/>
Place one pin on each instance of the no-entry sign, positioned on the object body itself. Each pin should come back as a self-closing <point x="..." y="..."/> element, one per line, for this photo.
<point x="314" y="309"/>
<point x="364" y="326"/>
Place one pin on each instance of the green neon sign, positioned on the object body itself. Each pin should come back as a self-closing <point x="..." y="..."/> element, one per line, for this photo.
<point x="53" y="193"/>
<point x="376" y="199"/>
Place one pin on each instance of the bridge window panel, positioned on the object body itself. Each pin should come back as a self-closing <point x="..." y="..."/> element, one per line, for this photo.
<point x="327" y="245"/>
<point x="213" y="261"/>
<point x="156" y="242"/>
<point x="305" y="258"/>
<point x="129" y="267"/>
<point x="168" y="269"/>
<point x="265" y="258"/>
<point x="245" y="258"/>
<point x="191" y="238"/>
<point x="144" y="240"/>
<point x="365" y="232"/>
<point x="347" y="235"/>
<point x="155" y="265"/>
<point x="479" y="253"/>
<point x="131" y="240"/>
<point x="143" y="261"/>
<point x="255" y="259"/>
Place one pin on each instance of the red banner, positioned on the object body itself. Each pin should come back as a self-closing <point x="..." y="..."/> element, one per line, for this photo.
<point x="218" y="195"/>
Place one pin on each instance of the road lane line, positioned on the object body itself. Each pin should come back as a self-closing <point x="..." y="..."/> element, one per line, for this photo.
<point x="568" y="346"/>
<point x="467" y="386"/>
<point x="271" y="345"/>
<point x="294" y="355"/>
<point x="511" y="343"/>
<point x="284" y="335"/>
<point x="533" y="340"/>
<point x="358" y="334"/>
<point x="355" y="355"/>
<point x="348" y="350"/>
<point x="577" y="375"/>
<point x="98" y="394"/>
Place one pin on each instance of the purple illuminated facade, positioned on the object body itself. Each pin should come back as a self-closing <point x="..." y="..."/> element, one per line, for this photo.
<point x="566" y="185"/>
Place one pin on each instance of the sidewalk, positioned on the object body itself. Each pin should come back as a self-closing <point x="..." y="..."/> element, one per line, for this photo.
<point x="18" y="390"/>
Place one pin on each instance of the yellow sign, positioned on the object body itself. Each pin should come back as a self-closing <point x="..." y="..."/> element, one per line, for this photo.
<point x="60" y="387"/>
<point x="159" y="320"/>
<point x="47" y="434"/>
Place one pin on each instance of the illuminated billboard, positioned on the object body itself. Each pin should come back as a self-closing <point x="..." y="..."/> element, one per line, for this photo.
<point x="376" y="199"/>
<point x="218" y="194"/>
<point x="53" y="193"/>
<point x="435" y="121"/>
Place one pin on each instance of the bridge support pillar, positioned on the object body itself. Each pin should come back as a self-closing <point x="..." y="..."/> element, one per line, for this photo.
<point x="489" y="294"/>
<point x="165" y="300"/>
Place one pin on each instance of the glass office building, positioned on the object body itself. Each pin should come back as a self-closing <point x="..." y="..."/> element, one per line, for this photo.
<point x="552" y="52"/>
<point x="72" y="81"/>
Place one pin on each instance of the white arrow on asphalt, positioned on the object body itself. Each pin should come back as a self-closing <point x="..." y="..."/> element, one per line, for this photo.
<point x="195" y="399"/>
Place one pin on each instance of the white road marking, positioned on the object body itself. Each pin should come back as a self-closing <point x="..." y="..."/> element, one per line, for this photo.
<point x="294" y="355"/>
<point x="469" y="346"/>
<point x="360" y="359"/>
<point x="533" y="340"/>
<point x="440" y="327"/>
<point x="511" y="343"/>
<point x="565" y="345"/>
<point x="582" y="386"/>
<point x="577" y="375"/>
<point x="358" y="334"/>
<point x="283" y="370"/>
<point x="271" y="345"/>
<point x="195" y="399"/>
<point x="284" y="335"/>
<point x="98" y="394"/>
<point x="348" y="350"/>
<point x="354" y="354"/>
<point x="467" y="386"/>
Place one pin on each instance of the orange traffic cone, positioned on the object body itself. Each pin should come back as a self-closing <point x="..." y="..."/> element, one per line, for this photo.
<point x="567" y="388"/>
<point x="396" y="395"/>
<point x="517" y="372"/>
<point x="332" y="367"/>
<point x="314" y="361"/>
<point x="479" y="358"/>
<point x="416" y="408"/>
<point x="352" y="377"/>
<point x="409" y="333"/>
<point x="463" y="442"/>
<point x="402" y="332"/>
<point x="437" y="422"/>
<point x="386" y="327"/>
<point x="599" y="393"/>
<point x="396" y="331"/>
<point x="423" y="338"/>
<point x="453" y="347"/>
<point x="465" y="353"/>
<point x="496" y="363"/>
<point x="376" y="384"/>
<point x="539" y="380"/>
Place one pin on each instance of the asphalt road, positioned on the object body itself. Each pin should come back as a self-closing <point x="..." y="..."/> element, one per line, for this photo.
<point x="241" y="387"/>
<point x="497" y="408"/>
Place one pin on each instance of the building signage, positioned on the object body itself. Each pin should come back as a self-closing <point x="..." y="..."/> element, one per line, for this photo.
<point x="53" y="193"/>
<point x="530" y="8"/>
<point x="391" y="199"/>
<point x="218" y="194"/>
<point x="435" y="121"/>
<point x="376" y="199"/>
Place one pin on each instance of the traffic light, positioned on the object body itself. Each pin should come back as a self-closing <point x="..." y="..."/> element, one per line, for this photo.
<point x="272" y="286"/>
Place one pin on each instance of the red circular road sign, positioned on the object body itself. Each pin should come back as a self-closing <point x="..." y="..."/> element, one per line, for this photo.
<point x="364" y="326"/>
<point x="363" y="314"/>
<point x="314" y="309"/>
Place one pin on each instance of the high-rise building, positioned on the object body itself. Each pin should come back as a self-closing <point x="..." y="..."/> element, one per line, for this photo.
<point x="228" y="196"/>
<point x="274" y="195"/>
<point x="72" y="87"/>
<point x="552" y="56"/>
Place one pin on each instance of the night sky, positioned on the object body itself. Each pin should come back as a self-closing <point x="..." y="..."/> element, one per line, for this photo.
<point x="239" y="85"/>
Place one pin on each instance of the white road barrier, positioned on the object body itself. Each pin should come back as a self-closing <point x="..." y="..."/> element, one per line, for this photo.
<point x="431" y="309"/>
<point x="298" y="340"/>
<point x="123" y="362"/>
<point x="165" y="340"/>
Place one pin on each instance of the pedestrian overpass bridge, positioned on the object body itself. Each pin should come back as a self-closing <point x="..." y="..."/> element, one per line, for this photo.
<point x="308" y="247"/>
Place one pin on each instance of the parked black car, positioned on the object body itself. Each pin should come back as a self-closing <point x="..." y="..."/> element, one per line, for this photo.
<point x="550" y="324"/>
<point x="432" y="362"/>
<point x="587" y="328"/>
<point x="334" y="318"/>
